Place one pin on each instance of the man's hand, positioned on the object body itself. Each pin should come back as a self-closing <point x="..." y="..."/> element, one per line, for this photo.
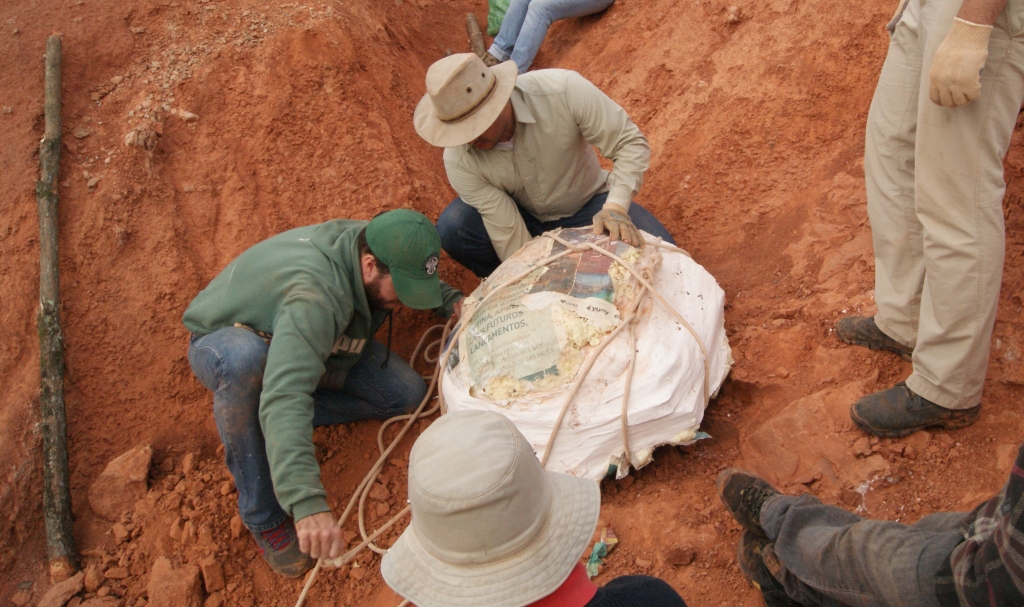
<point x="614" y="220"/>
<point x="457" y="310"/>
<point x="955" y="77"/>
<point x="320" y="536"/>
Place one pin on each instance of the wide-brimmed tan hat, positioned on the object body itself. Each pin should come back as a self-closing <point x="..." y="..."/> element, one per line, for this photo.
<point x="489" y="525"/>
<point x="464" y="98"/>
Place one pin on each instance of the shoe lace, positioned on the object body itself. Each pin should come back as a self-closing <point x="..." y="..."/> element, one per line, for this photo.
<point x="753" y="499"/>
<point x="278" y="537"/>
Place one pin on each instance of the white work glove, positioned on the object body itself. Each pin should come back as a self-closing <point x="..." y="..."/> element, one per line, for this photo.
<point x="955" y="77"/>
<point x="615" y="220"/>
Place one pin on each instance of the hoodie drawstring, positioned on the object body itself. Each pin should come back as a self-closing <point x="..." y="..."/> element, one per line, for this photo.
<point x="391" y="326"/>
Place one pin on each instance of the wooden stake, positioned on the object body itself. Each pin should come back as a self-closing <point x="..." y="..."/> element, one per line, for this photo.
<point x="476" y="38"/>
<point x="60" y="543"/>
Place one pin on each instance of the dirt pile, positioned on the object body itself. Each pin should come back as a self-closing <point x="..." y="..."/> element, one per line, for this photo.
<point x="194" y="129"/>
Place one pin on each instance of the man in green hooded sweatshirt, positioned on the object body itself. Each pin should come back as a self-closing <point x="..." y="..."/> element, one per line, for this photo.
<point x="283" y="336"/>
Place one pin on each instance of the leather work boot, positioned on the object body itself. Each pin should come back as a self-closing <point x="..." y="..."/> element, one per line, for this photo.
<point x="753" y="552"/>
<point x="862" y="331"/>
<point x="490" y="60"/>
<point x="743" y="494"/>
<point x="280" y="548"/>
<point x="897" y="412"/>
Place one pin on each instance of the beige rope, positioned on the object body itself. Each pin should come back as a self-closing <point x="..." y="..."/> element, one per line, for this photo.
<point x="367" y="482"/>
<point x="362" y="491"/>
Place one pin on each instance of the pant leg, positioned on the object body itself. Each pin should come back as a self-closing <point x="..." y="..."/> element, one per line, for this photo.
<point x="367" y="391"/>
<point x="830" y="557"/>
<point x="959" y="191"/>
<point x="465" y="239"/>
<point x="230" y="362"/>
<point x="641" y="217"/>
<point x="889" y="179"/>
<point x="503" y="43"/>
<point x="539" y="17"/>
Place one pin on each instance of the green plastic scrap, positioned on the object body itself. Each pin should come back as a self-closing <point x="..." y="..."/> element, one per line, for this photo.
<point x="601" y="549"/>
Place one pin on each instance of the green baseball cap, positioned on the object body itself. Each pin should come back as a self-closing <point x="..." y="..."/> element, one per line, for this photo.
<point x="407" y="242"/>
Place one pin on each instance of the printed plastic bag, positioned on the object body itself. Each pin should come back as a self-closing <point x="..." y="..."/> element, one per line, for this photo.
<point x="525" y="347"/>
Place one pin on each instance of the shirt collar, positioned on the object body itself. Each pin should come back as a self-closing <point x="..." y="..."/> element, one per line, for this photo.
<point x="522" y="110"/>
<point x="575" y="591"/>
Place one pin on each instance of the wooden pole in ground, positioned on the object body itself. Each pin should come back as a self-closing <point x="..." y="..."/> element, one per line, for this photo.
<point x="60" y="543"/>
<point x="476" y="38"/>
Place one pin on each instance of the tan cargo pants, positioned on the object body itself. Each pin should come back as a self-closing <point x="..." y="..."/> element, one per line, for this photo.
<point x="935" y="189"/>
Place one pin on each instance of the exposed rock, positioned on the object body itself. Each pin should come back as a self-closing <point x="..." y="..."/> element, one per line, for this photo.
<point x="93" y="578"/>
<point x="59" y="593"/>
<point x="214" y="600"/>
<point x="170" y="587"/>
<point x="116" y="573"/>
<point x="121" y="484"/>
<point x="680" y="555"/>
<point x="236" y="527"/>
<point x="100" y="601"/>
<point x="21" y="598"/>
<point x="213" y="575"/>
<point x="379" y="492"/>
<point x="862" y="447"/>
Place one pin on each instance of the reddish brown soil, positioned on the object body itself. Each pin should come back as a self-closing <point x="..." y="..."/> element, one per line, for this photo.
<point x="304" y="114"/>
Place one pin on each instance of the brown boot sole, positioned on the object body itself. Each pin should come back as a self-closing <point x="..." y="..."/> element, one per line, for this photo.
<point x="876" y="346"/>
<point x="954" y="423"/>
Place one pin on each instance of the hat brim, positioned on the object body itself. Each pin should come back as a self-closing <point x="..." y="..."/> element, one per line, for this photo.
<point x="417" y="293"/>
<point x="523" y="578"/>
<point x="451" y="134"/>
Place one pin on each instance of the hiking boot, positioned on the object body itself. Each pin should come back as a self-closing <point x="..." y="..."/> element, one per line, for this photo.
<point x="280" y="548"/>
<point x="743" y="494"/>
<point x="897" y="412"/>
<point x="862" y="331"/>
<point x="752" y="553"/>
<point x="490" y="60"/>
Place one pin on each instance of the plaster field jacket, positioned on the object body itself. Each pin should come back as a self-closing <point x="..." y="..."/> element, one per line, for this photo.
<point x="987" y="568"/>
<point x="552" y="170"/>
<point x="305" y="287"/>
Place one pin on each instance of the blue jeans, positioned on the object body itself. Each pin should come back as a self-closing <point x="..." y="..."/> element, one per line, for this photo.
<point x="829" y="557"/>
<point x="465" y="239"/>
<point x="230" y="362"/>
<point x="527" y="21"/>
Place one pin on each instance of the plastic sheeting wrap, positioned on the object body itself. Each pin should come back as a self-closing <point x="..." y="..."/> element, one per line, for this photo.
<point x="523" y="348"/>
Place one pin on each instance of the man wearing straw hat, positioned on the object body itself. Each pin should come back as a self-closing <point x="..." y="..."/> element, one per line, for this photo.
<point x="519" y="153"/>
<point x="283" y="336"/>
<point x="491" y="527"/>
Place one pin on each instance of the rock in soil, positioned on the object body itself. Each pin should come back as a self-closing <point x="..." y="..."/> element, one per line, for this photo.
<point x="59" y="593"/>
<point x="121" y="484"/>
<point x="170" y="587"/>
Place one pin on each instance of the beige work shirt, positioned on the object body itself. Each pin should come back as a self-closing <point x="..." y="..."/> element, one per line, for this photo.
<point x="552" y="170"/>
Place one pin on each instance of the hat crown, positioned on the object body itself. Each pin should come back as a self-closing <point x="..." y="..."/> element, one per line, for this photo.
<point x="477" y="491"/>
<point x="458" y="85"/>
<point x="407" y="242"/>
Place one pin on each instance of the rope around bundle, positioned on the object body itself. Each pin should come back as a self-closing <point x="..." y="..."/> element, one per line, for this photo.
<point x="441" y="361"/>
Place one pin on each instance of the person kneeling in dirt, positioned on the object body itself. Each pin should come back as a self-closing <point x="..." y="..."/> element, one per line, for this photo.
<point x="798" y="551"/>
<point x="283" y="336"/>
<point x="491" y="527"/>
<point x="519" y="152"/>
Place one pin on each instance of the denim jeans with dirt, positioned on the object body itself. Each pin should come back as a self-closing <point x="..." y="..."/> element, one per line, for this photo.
<point x="230" y="362"/>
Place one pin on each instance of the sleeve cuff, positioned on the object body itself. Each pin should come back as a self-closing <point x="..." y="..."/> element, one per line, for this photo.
<point x="620" y="196"/>
<point x="310" y="506"/>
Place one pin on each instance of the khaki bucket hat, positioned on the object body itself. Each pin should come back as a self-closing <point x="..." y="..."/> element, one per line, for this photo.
<point x="489" y="525"/>
<point x="464" y="98"/>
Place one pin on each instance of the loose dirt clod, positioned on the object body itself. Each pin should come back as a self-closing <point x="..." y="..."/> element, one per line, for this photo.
<point x="121" y="484"/>
<point x="170" y="587"/>
<point x="59" y="593"/>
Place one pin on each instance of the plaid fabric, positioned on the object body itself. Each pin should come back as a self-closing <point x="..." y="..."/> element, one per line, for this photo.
<point x="987" y="568"/>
